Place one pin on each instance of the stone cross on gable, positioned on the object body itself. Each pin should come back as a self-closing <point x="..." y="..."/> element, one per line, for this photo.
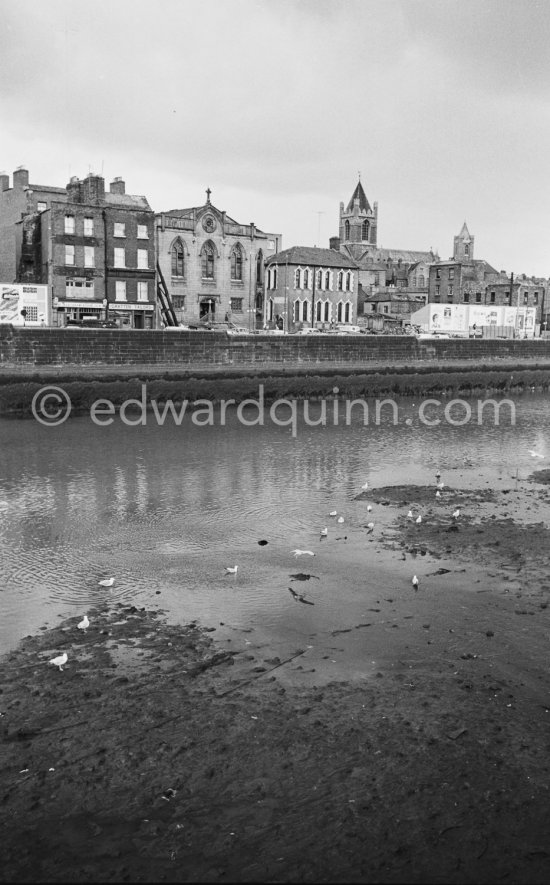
<point x="208" y="192"/>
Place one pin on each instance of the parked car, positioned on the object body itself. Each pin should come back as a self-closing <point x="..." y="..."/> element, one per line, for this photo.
<point x="348" y="329"/>
<point x="92" y="324"/>
<point x="307" y="331"/>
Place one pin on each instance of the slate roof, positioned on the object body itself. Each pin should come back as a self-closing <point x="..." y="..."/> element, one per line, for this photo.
<point x="311" y="255"/>
<point x="130" y="201"/>
<point x="181" y="212"/>
<point x="359" y="194"/>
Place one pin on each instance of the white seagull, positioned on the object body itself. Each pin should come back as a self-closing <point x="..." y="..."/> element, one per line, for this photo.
<point x="438" y="494"/>
<point x="441" y="485"/>
<point x="59" y="660"/>
<point x="418" y="519"/>
<point x="456" y="514"/>
<point x="84" y="623"/>
<point x="106" y="582"/>
<point x="303" y="552"/>
<point x="369" y="508"/>
<point x="324" y="532"/>
<point x="231" y="569"/>
<point x="535" y="454"/>
<point x="370" y="526"/>
<point x="340" y="519"/>
<point x="415" y="582"/>
<point x="365" y="487"/>
<point x="333" y="513"/>
<point x="410" y="514"/>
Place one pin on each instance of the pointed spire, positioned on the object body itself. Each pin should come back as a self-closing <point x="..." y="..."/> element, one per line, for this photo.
<point x="359" y="194"/>
<point x="465" y="234"/>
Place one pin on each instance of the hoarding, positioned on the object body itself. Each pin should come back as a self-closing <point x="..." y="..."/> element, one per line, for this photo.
<point x="24" y="304"/>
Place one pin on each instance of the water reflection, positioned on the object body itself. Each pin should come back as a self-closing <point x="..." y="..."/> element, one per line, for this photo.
<point x="166" y="508"/>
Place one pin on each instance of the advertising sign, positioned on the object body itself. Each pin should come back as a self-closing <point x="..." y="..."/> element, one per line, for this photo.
<point x="24" y="304"/>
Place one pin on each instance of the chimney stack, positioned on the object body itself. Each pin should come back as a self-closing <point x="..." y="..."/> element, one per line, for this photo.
<point x="118" y="186"/>
<point x="21" y="177"/>
<point x="4" y="181"/>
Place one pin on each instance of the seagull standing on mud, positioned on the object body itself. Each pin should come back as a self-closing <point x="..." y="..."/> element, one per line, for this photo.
<point x="415" y="582"/>
<point x="370" y="527"/>
<point x="231" y="569"/>
<point x="324" y="532"/>
<point x="303" y="553"/>
<point x="365" y="487"/>
<point x="418" y="519"/>
<point x="84" y="623"/>
<point x="456" y="513"/>
<point x="410" y="514"/>
<point x="106" y="582"/>
<point x="59" y="660"/>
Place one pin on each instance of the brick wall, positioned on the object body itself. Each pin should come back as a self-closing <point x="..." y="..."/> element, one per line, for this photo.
<point x="20" y="347"/>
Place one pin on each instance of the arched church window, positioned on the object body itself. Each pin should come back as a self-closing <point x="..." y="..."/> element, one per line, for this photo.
<point x="260" y="267"/>
<point x="178" y="259"/>
<point x="346" y="230"/>
<point x="365" y="230"/>
<point x="236" y="263"/>
<point x="208" y="261"/>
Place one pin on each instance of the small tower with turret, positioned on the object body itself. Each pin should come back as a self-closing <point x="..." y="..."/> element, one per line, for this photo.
<point x="358" y="221"/>
<point x="463" y="248"/>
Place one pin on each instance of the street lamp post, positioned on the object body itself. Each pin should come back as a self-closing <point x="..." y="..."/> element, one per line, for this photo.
<point x="105" y="303"/>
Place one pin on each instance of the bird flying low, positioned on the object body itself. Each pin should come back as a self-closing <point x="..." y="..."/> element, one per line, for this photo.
<point x="84" y="623"/>
<point x="59" y="660"/>
<point x="303" y="552"/>
<point x="231" y="569"/>
<point x="535" y="454"/>
<point x="415" y="582"/>
<point x="106" y="582"/>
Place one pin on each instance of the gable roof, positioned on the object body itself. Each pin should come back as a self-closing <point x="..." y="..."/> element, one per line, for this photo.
<point x="311" y="255"/>
<point x="359" y="194"/>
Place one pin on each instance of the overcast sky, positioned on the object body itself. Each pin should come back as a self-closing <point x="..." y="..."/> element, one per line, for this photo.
<point x="443" y="106"/>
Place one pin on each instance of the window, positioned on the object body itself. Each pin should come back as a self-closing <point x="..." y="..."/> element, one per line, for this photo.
<point x="346" y="230"/>
<point x="466" y="297"/>
<point x="535" y="297"/>
<point x="438" y="273"/>
<point x="208" y="261"/>
<point x="307" y="278"/>
<point x="120" y="257"/>
<point x="377" y="279"/>
<point x="451" y="273"/>
<point x="421" y="283"/>
<point x="143" y="259"/>
<point x="143" y="291"/>
<point x="525" y="297"/>
<point x="237" y="263"/>
<point x="142" y="232"/>
<point x="41" y="207"/>
<point x="236" y="305"/>
<point x="89" y="256"/>
<point x="466" y="249"/>
<point x="328" y="280"/>
<point x="69" y="255"/>
<point x="300" y="311"/>
<point x="340" y="280"/>
<point x="437" y="291"/>
<point x="347" y="312"/>
<point x="508" y="295"/>
<point x="478" y="297"/>
<point x="385" y="308"/>
<point x="365" y="230"/>
<point x="69" y="224"/>
<point x="304" y="311"/>
<point x="178" y="259"/>
<point x="120" y="290"/>
<point x="88" y="227"/>
<point x="450" y="291"/>
<point x="120" y="229"/>
<point x="259" y="267"/>
<point x="492" y="297"/>
<point x="297" y="278"/>
<point x="75" y="288"/>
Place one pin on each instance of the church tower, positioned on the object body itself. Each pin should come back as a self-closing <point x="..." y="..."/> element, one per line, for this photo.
<point x="358" y="221"/>
<point x="463" y="249"/>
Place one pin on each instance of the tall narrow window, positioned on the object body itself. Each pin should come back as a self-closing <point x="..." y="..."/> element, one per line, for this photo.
<point x="178" y="259"/>
<point x="120" y="290"/>
<point x="119" y="229"/>
<point x="260" y="267"/>
<point x="69" y="255"/>
<point x="237" y="263"/>
<point x="327" y="280"/>
<point x="120" y="257"/>
<point x="88" y="227"/>
<point x="297" y="278"/>
<point x="69" y="224"/>
<point x="307" y="284"/>
<point x="143" y="291"/>
<point x="89" y="256"/>
<point x="143" y="259"/>
<point x="340" y="280"/>
<point x="346" y="230"/>
<point x="142" y="232"/>
<point x="274" y="278"/>
<point x="365" y="230"/>
<point x="208" y="261"/>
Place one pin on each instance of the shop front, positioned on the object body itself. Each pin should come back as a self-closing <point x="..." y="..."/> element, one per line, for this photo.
<point x="127" y="316"/>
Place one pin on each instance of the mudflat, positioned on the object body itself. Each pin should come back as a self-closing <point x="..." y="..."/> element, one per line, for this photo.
<point x="158" y="753"/>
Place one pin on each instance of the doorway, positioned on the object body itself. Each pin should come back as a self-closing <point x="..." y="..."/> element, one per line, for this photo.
<point x="207" y="310"/>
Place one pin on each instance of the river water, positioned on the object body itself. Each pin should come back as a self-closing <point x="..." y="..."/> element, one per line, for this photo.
<point x="164" y="509"/>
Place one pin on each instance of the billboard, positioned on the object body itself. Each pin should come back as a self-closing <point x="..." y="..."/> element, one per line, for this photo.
<point x="23" y="304"/>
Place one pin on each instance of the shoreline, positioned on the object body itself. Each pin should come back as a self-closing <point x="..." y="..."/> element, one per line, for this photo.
<point x="180" y="757"/>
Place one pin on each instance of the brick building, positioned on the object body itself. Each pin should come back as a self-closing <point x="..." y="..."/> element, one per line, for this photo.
<point x="308" y="286"/>
<point x="213" y="266"/>
<point x="96" y="252"/>
<point x="15" y="202"/>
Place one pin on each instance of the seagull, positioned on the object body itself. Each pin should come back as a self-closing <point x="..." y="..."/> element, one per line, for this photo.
<point x="437" y="474"/>
<point x="324" y="532"/>
<point x="333" y="513"/>
<point x="410" y="514"/>
<point x="84" y="623"/>
<point x="441" y="485"/>
<point x="106" y="582"/>
<point x="418" y="519"/>
<point x="456" y="514"/>
<point x="365" y="487"/>
<point x="369" y="508"/>
<point x="535" y="454"/>
<point x="415" y="582"/>
<point x="299" y="597"/>
<point x="59" y="661"/>
<point x="303" y="552"/>
<point x="231" y="569"/>
<point x="370" y="526"/>
<point x="438" y="494"/>
<point x="340" y="519"/>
